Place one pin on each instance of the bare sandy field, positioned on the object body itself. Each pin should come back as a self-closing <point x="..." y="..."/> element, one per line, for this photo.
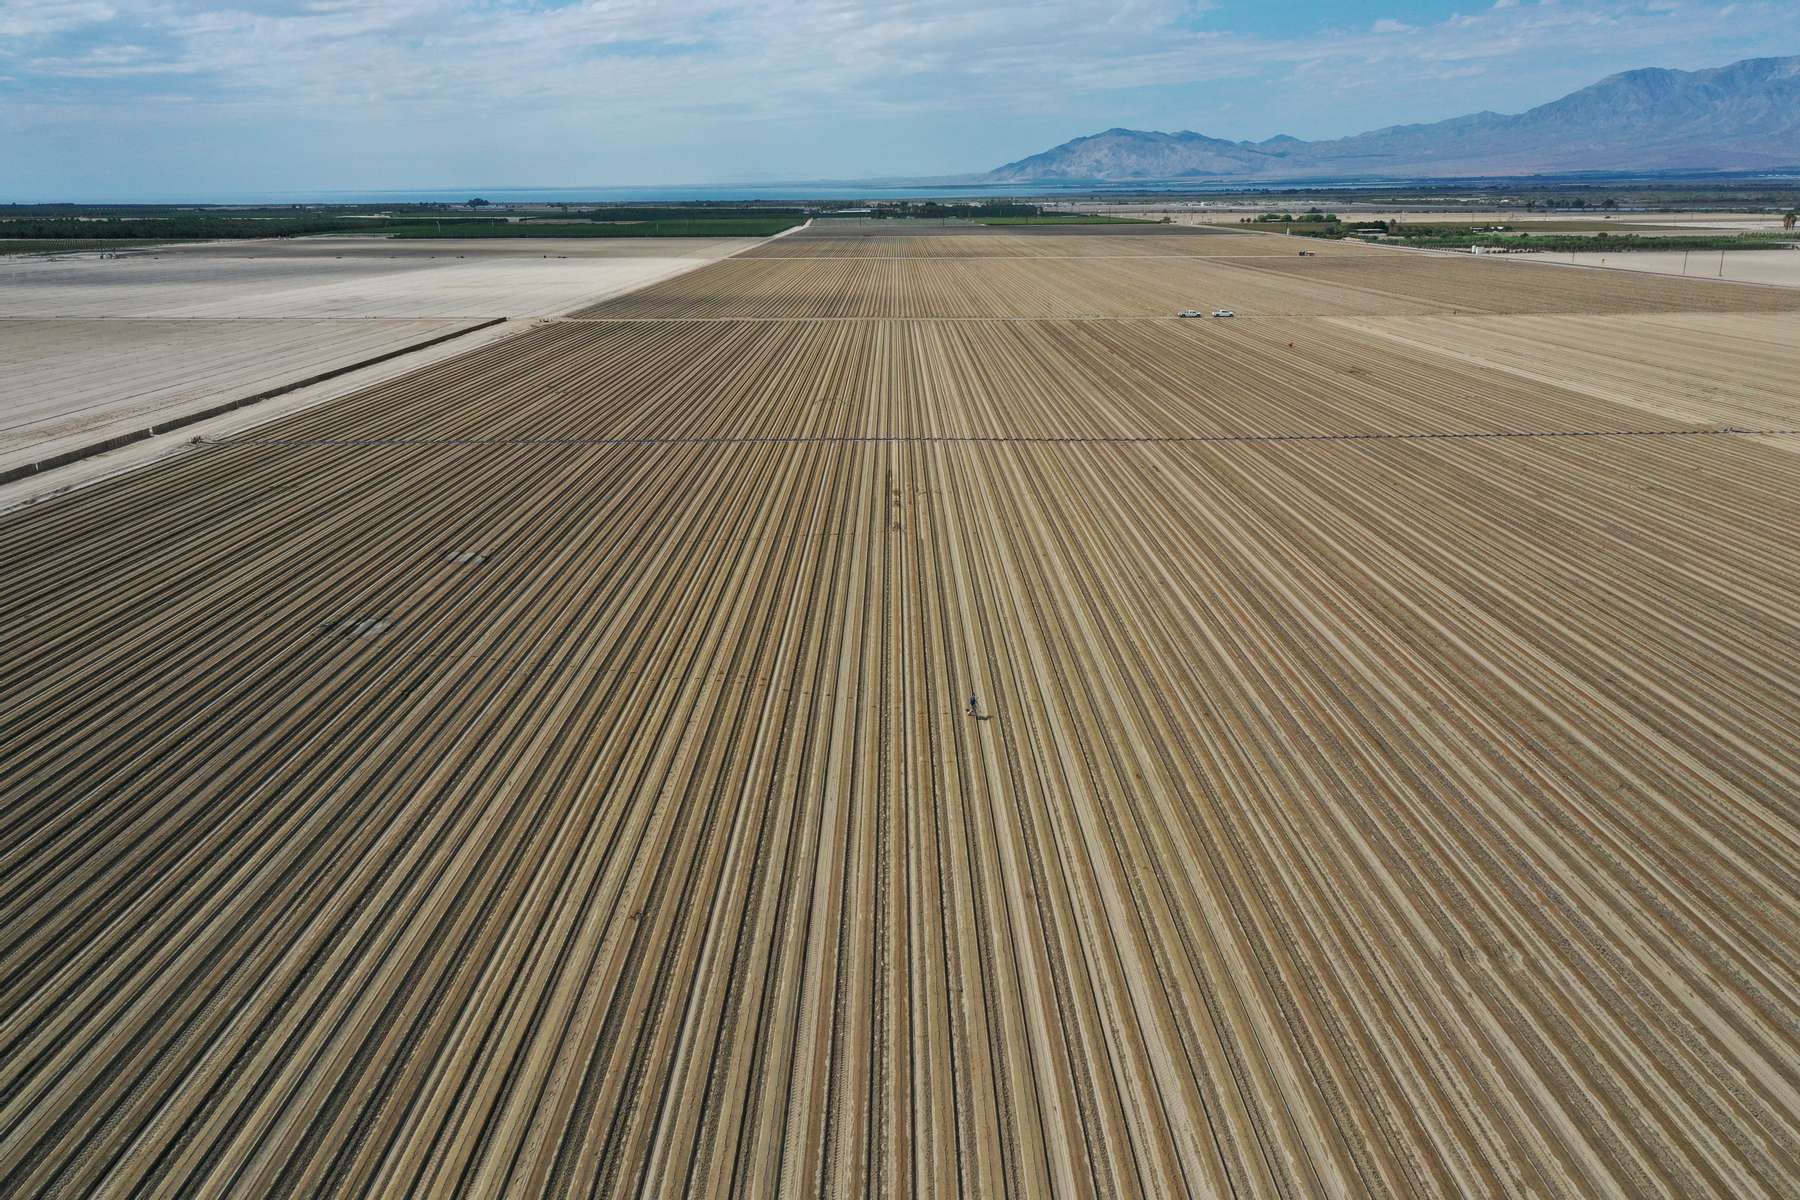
<point x="1738" y="369"/>
<point x="67" y="383"/>
<point x="336" y="245"/>
<point x="91" y="348"/>
<point x="1500" y="284"/>
<point x="1775" y="268"/>
<point x="366" y="277"/>
<point x="548" y="773"/>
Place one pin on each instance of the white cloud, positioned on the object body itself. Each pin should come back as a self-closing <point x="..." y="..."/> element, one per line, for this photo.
<point x="22" y="19"/>
<point x="736" y="70"/>
<point x="116" y="61"/>
<point x="766" y="57"/>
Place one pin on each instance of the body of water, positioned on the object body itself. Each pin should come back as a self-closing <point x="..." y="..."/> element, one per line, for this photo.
<point x="841" y="190"/>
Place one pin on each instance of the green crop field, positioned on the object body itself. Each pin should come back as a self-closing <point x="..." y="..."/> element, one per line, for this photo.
<point x="1066" y="219"/>
<point x="1450" y="238"/>
<point x="670" y="213"/>
<point x="187" y="227"/>
<point x="65" y="245"/>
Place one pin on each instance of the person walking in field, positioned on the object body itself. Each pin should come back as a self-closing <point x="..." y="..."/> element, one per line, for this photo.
<point x="972" y="709"/>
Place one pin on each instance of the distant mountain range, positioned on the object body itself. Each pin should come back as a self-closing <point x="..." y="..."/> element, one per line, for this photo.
<point x="1742" y="117"/>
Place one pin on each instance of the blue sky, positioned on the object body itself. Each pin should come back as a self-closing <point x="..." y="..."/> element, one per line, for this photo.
<point x="161" y="98"/>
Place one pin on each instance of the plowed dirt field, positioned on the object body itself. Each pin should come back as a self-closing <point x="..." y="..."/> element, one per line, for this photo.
<point x="549" y="773"/>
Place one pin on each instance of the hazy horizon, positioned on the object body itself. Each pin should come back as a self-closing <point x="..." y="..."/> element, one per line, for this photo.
<point x="123" y="99"/>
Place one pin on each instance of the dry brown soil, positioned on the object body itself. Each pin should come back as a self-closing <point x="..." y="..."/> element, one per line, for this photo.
<point x="548" y="774"/>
